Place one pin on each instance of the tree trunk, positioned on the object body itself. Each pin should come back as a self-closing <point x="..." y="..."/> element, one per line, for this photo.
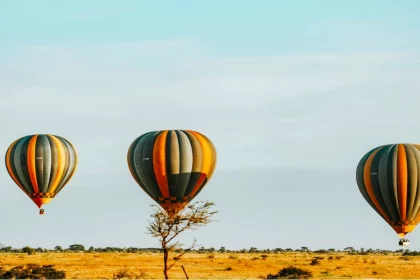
<point x="165" y="263"/>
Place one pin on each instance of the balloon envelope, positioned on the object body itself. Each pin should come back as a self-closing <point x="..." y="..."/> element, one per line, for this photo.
<point x="41" y="165"/>
<point x="172" y="166"/>
<point x="388" y="178"/>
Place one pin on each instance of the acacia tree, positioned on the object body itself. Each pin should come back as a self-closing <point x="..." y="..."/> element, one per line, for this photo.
<point x="166" y="228"/>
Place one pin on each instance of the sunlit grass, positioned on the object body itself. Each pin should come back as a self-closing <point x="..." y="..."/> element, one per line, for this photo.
<point x="222" y="265"/>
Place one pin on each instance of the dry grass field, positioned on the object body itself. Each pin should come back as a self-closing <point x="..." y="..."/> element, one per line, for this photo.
<point x="221" y="265"/>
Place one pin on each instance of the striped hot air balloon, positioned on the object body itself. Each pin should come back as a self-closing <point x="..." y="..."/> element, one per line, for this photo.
<point x="41" y="165"/>
<point x="172" y="166"/>
<point x="389" y="179"/>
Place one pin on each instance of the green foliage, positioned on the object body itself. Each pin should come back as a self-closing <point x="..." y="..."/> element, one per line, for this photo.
<point x="322" y="251"/>
<point x="81" y="248"/>
<point x="413" y="253"/>
<point x="253" y="250"/>
<point x="33" y="271"/>
<point x="7" y="249"/>
<point x="291" y="272"/>
<point x="28" y="250"/>
<point x="77" y="248"/>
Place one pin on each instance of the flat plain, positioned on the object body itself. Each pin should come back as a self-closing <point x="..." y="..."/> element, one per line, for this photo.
<point x="221" y="265"/>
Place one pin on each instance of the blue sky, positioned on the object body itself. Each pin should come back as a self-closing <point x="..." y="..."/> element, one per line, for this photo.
<point x="294" y="92"/>
<point x="234" y="27"/>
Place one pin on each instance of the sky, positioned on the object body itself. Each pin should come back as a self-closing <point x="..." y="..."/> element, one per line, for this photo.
<point x="292" y="94"/>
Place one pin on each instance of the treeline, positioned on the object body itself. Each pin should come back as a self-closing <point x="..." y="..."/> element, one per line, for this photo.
<point x="81" y="248"/>
<point x="77" y="248"/>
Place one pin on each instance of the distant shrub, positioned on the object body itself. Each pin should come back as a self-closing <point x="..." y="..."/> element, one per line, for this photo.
<point x="141" y="275"/>
<point x="125" y="273"/>
<point x="413" y="253"/>
<point x="211" y="256"/>
<point x="58" y="248"/>
<point x="122" y="273"/>
<point x="33" y="271"/>
<point x="291" y="272"/>
<point x="28" y="250"/>
<point x="322" y="251"/>
<point x="314" y="261"/>
<point x="77" y="248"/>
<point x="228" y="268"/>
<point x="264" y="257"/>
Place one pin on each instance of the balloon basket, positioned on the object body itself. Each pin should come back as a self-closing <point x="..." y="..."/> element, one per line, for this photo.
<point x="41" y="211"/>
<point x="404" y="242"/>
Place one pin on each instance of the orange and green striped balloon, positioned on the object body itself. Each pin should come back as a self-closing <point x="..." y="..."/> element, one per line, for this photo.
<point x="172" y="166"/>
<point x="389" y="179"/>
<point x="41" y="165"/>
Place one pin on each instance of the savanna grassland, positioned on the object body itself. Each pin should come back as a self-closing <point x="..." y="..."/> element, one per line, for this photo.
<point x="220" y="265"/>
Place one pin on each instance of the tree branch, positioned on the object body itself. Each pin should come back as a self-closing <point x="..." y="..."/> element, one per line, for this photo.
<point x="166" y="228"/>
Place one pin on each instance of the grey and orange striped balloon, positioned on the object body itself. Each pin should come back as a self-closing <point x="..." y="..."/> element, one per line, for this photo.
<point x="172" y="166"/>
<point x="389" y="179"/>
<point x="41" y="165"/>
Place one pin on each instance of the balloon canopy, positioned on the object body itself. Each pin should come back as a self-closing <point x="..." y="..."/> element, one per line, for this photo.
<point x="172" y="166"/>
<point x="41" y="165"/>
<point x="389" y="179"/>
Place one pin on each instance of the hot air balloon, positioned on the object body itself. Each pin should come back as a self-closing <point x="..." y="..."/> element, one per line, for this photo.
<point x="389" y="179"/>
<point x="172" y="166"/>
<point x="41" y="165"/>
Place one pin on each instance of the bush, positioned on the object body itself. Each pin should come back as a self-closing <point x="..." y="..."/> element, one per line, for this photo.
<point x="77" y="248"/>
<point x="291" y="272"/>
<point x="122" y="273"/>
<point x="33" y="271"/>
<point x="414" y="253"/>
<point x="315" y="261"/>
<point x="125" y="273"/>
<point x="28" y="250"/>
